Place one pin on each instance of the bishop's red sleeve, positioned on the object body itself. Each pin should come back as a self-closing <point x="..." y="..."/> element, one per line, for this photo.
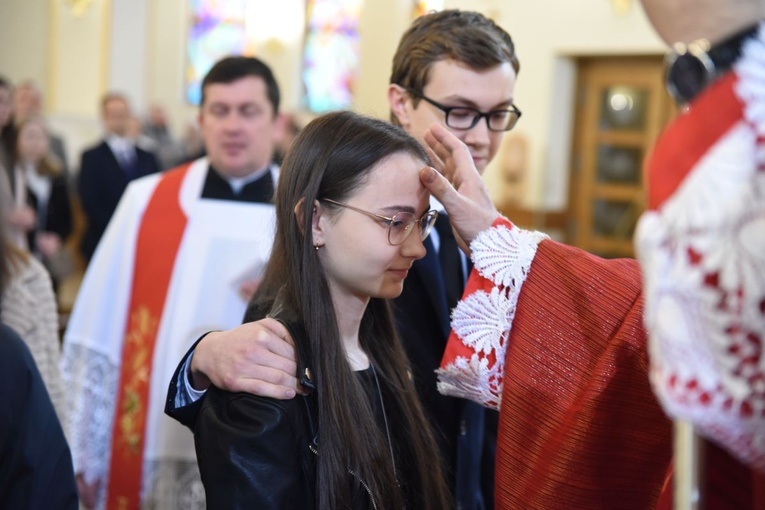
<point x="553" y="337"/>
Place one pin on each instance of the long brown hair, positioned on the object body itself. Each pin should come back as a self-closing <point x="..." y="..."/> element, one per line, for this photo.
<point x="330" y="159"/>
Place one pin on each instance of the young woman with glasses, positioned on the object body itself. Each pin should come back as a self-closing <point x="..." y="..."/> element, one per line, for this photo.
<point x="351" y="218"/>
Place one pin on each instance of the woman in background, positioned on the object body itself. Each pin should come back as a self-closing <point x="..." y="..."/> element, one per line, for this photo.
<point x="351" y="218"/>
<point x="35" y="462"/>
<point x="28" y="305"/>
<point x="42" y="217"/>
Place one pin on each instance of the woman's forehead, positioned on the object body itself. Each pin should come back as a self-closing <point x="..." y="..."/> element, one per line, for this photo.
<point x="398" y="174"/>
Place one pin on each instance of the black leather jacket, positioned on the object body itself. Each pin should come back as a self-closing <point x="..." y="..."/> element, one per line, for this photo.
<point x="261" y="453"/>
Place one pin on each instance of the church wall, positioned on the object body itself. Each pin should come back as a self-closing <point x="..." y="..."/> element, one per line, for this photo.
<point x="137" y="46"/>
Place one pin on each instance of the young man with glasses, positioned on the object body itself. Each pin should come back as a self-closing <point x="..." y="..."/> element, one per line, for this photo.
<point x="454" y="68"/>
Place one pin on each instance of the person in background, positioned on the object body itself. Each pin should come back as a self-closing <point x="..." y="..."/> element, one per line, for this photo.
<point x="182" y="254"/>
<point x="157" y="128"/>
<point x="28" y="102"/>
<point x="192" y="145"/>
<point x="43" y="210"/>
<point x="28" y="304"/>
<point x="136" y="134"/>
<point x="35" y="461"/>
<point x="107" y="168"/>
<point x="288" y="129"/>
<point x="6" y="125"/>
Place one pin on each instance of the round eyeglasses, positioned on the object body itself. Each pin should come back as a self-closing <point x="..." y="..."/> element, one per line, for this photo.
<point x="464" y="118"/>
<point x="400" y="225"/>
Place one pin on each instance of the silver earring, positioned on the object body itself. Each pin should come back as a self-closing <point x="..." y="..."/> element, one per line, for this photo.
<point x="316" y="247"/>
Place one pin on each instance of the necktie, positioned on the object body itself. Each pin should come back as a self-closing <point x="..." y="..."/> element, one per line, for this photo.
<point x="128" y="162"/>
<point x="451" y="262"/>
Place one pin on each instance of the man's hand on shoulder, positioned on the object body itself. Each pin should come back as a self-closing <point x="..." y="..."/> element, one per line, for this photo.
<point x="256" y="357"/>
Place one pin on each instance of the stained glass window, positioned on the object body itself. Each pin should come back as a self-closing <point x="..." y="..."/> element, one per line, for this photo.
<point x="218" y="28"/>
<point x="425" y="6"/>
<point x="331" y="54"/>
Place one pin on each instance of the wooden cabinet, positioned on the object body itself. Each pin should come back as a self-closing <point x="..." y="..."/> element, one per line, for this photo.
<point x="622" y="107"/>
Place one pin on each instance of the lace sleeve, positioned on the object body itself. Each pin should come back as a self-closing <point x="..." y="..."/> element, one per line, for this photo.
<point x="90" y="379"/>
<point x="473" y="365"/>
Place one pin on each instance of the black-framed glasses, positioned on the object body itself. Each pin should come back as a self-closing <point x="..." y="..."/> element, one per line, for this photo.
<point x="400" y="225"/>
<point x="464" y="117"/>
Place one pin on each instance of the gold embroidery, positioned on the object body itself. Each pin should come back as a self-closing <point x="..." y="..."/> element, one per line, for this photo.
<point x="123" y="502"/>
<point x="143" y="329"/>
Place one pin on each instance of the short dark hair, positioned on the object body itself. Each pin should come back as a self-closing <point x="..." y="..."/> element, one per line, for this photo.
<point x="231" y="69"/>
<point x="464" y="36"/>
<point x="5" y="83"/>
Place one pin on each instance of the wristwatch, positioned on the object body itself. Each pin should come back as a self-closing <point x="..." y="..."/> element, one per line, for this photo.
<point x="692" y="67"/>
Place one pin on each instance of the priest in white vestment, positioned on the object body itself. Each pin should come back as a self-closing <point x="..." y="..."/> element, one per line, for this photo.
<point x="178" y="258"/>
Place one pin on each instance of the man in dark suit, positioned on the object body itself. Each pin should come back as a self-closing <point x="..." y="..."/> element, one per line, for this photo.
<point x="457" y="69"/>
<point x="106" y="170"/>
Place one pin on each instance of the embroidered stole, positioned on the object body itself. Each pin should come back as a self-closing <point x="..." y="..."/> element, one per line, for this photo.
<point x="159" y="237"/>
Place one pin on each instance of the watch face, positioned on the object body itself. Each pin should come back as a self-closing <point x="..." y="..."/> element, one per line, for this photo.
<point x="686" y="77"/>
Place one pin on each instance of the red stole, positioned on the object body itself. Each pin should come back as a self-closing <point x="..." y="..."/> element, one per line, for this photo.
<point x="685" y="141"/>
<point x="157" y="243"/>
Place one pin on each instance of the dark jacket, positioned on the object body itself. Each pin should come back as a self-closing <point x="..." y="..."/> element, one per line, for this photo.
<point x="35" y="463"/>
<point x="101" y="183"/>
<point x="258" y="452"/>
<point x="58" y="214"/>
<point x="466" y="432"/>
